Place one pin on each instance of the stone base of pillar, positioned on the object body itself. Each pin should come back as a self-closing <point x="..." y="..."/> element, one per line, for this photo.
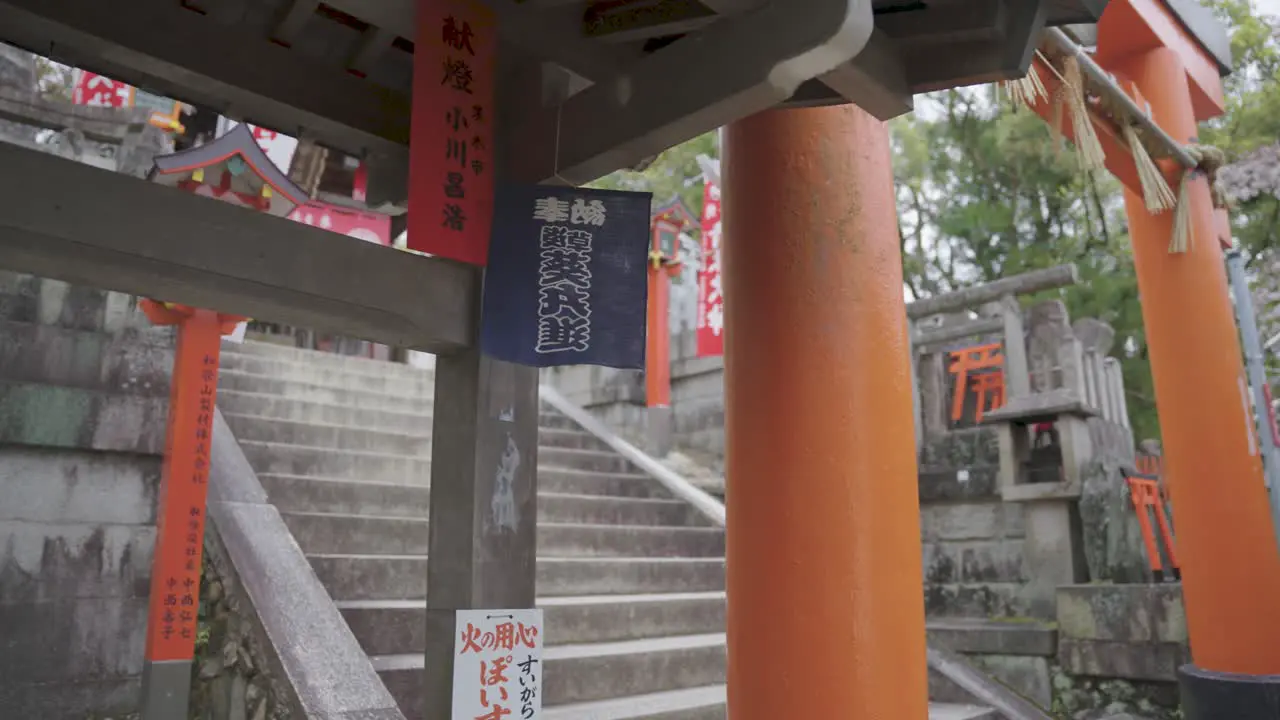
<point x="166" y="689"/>
<point x="1209" y="695"/>
<point x="659" y="433"/>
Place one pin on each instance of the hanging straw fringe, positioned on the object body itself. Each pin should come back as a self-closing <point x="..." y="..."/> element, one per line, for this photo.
<point x="1156" y="193"/>
<point x="1026" y="90"/>
<point x="1086" y="138"/>
<point x="1208" y="160"/>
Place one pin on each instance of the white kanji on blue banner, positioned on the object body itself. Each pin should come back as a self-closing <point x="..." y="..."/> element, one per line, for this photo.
<point x="566" y="281"/>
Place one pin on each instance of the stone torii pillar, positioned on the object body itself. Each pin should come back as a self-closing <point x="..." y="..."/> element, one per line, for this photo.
<point x="1231" y="563"/>
<point x="826" y="607"/>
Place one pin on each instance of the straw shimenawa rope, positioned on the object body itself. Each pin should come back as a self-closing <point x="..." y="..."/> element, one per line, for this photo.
<point x="1071" y="94"/>
<point x="1208" y="161"/>
<point x="1092" y="156"/>
<point x="1027" y="90"/>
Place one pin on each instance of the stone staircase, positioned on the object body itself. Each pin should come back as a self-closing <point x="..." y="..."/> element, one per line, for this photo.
<point x="631" y="580"/>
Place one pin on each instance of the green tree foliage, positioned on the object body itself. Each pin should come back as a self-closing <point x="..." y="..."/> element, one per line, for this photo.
<point x="674" y="172"/>
<point x="985" y="193"/>
<point x="1252" y="120"/>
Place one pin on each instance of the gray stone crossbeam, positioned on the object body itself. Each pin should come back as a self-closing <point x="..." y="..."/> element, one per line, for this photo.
<point x="72" y="222"/>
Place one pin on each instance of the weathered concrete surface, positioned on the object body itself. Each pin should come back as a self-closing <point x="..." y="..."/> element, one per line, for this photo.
<point x="1028" y="675"/>
<point x="1123" y="631"/>
<point x="955" y="678"/>
<point x="82" y="410"/>
<point x="32" y="299"/>
<point x="306" y="656"/>
<point x="68" y="417"/>
<point x="75" y="563"/>
<point x="1112" y="538"/>
<point x="978" y="636"/>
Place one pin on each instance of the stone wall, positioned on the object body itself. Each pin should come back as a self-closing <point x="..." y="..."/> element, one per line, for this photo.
<point x="17" y="70"/>
<point x="83" y="390"/>
<point x="973" y="542"/>
<point x="232" y="679"/>
<point x="1119" y="648"/>
<point x="84" y="385"/>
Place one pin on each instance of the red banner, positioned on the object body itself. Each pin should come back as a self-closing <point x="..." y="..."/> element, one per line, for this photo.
<point x="451" y="174"/>
<point x="710" y="300"/>
<point x="101" y="91"/>
<point x="369" y="226"/>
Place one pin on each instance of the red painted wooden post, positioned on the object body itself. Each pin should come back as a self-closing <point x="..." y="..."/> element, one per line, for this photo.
<point x="180" y="512"/>
<point x="657" y="362"/>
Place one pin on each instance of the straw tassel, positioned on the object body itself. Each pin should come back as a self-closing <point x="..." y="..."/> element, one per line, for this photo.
<point x="1092" y="156"/>
<point x="1026" y="90"/>
<point x="1055" y="117"/>
<point x="1182" y="232"/>
<point x="1156" y="193"/>
<point x="1208" y="160"/>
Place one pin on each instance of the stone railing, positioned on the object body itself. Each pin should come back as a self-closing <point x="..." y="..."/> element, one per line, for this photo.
<point x="277" y="645"/>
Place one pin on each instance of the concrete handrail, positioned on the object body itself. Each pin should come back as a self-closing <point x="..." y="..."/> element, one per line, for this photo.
<point x="313" y="651"/>
<point x="712" y="508"/>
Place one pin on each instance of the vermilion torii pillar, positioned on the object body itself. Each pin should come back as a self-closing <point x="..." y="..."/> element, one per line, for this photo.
<point x="1230" y="560"/>
<point x="657" y="359"/>
<point x="826" y="608"/>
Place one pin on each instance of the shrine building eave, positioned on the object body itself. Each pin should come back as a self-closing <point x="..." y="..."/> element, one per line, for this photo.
<point x="231" y="163"/>
<point x="639" y="76"/>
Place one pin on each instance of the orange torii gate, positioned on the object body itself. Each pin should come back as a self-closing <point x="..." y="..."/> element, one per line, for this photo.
<point x="1154" y="76"/>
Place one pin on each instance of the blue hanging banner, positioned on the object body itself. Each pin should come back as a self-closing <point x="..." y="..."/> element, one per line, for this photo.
<point x="566" y="282"/>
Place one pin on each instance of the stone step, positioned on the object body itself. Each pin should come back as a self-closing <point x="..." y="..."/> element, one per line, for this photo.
<point x="338" y="437"/>
<point x="953" y="711"/>
<point x="590" y="672"/>
<point x="404" y="577"/>
<point x="320" y="533"/>
<point x="393" y="627"/>
<point x="284" y="459"/>
<point x="325" y="533"/>
<point x="598" y="460"/>
<point x="384" y="378"/>
<point x="582" y="482"/>
<point x="303" y="494"/>
<point x="629" y="541"/>
<point x="573" y="439"/>
<point x="274" y="406"/>
<point x="699" y="703"/>
<point x="556" y="421"/>
<point x="707" y="703"/>
<point x="249" y="354"/>
<point x="983" y="636"/>
<point x="604" y="509"/>
<point x="333" y="395"/>
<point x="299" y="493"/>
<point x="311" y="357"/>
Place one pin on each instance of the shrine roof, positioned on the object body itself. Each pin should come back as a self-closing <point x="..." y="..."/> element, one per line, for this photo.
<point x="220" y="155"/>
<point x="339" y="72"/>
